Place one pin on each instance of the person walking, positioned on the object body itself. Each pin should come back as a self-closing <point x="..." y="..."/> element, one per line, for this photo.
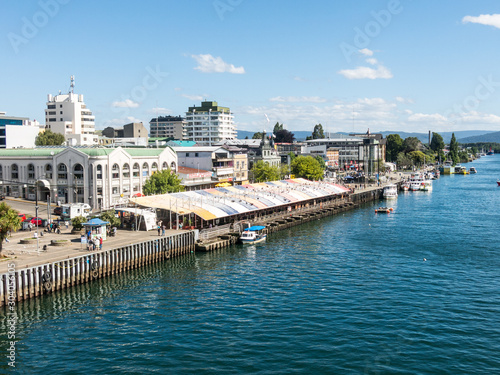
<point x="163" y="230"/>
<point x="159" y="230"/>
<point x="100" y="243"/>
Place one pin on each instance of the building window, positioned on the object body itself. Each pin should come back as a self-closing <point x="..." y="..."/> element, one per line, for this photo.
<point x="59" y="111"/>
<point x="164" y="165"/>
<point x="187" y="154"/>
<point x="31" y="172"/>
<point x="196" y="154"/>
<point x="78" y="172"/>
<point x="154" y="168"/>
<point x="145" y="170"/>
<point x="14" y="172"/>
<point x="1" y="172"/>
<point x="115" y="171"/>
<point x="99" y="172"/>
<point x="99" y="191"/>
<point x="136" y="171"/>
<point x="48" y="171"/>
<point x="115" y="190"/>
<point x="62" y="172"/>
<point x="60" y="105"/>
<point x="126" y="170"/>
<point x="172" y="166"/>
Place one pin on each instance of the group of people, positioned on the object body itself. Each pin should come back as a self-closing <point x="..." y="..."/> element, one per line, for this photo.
<point x="53" y="227"/>
<point x="161" y="228"/>
<point x="92" y="244"/>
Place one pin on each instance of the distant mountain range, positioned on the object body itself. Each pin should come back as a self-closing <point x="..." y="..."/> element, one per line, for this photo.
<point x="490" y="137"/>
<point x="464" y="136"/>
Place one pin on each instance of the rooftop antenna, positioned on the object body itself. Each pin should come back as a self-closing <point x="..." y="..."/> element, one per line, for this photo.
<point x="72" y="86"/>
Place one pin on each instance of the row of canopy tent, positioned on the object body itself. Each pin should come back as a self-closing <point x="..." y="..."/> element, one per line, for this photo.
<point x="216" y="203"/>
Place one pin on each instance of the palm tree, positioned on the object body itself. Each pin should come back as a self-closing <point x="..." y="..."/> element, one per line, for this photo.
<point x="9" y="222"/>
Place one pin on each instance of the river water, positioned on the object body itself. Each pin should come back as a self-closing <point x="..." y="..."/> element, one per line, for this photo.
<point x="413" y="292"/>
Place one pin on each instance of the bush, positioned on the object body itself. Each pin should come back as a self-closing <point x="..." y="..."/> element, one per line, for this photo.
<point x="77" y="222"/>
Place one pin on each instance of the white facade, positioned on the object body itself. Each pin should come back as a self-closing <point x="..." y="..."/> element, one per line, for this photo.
<point x="101" y="177"/>
<point x="209" y="124"/>
<point x="67" y="114"/>
<point x="16" y="132"/>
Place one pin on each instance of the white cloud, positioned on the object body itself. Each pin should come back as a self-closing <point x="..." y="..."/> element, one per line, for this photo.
<point x="300" y="79"/>
<point x="425" y="117"/>
<point x="298" y="99"/>
<point x="363" y="72"/>
<point x="400" y="99"/>
<point x="210" y="64"/>
<point x="127" y="103"/>
<point x="194" y="97"/>
<point x="484" y="19"/>
<point x="372" y="61"/>
<point x="366" y="52"/>
<point x="160" y="110"/>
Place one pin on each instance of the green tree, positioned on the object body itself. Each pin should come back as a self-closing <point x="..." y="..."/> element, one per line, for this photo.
<point x="9" y="222"/>
<point x="307" y="167"/>
<point x="257" y="135"/>
<point x="77" y="222"/>
<point x="264" y="172"/>
<point x="277" y="128"/>
<point x="417" y="157"/>
<point x="162" y="182"/>
<point x="321" y="162"/>
<point x="453" y="154"/>
<point x="394" y="147"/>
<point x="412" y="144"/>
<point x="403" y="161"/>
<point x="284" y="136"/>
<point x="437" y="143"/>
<point x="284" y="170"/>
<point x="48" y="138"/>
<point x="318" y="132"/>
<point x="110" y="216"/>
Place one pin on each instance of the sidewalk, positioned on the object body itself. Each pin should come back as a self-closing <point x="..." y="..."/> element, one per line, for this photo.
<point x="27" y="256"/>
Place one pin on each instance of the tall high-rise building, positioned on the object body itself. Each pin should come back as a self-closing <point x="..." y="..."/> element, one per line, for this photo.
<point x="67" y="114"/>
<point x="17" y="132"/>
<point x="168" y="127"/>
<point x="209" y="123"/>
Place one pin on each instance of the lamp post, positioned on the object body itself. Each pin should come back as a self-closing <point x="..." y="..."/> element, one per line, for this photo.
<point x="36" y="216"/>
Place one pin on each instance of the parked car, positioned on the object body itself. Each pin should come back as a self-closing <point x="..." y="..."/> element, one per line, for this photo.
<point x="22" y="217"/>
<point x="58" y="210"/>
<point x="36" y="221"/>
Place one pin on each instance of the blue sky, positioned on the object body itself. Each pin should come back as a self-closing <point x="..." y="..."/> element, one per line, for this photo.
<point x="351" y="65"/>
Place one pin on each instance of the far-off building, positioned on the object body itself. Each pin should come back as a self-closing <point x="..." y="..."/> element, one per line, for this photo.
<point x="168" y="127"/>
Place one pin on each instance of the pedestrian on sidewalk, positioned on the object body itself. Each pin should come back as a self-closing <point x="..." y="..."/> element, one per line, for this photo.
<point x="100" y="243"/>
<point x="163" y="230"/>
<point x="159" y="230"/>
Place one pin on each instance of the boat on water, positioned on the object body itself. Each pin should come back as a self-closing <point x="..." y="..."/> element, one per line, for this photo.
<point x="460" y="169"/>
<point x="253" y="235"/>
<point x="418" y="182"/>
<point x="472" y="170"/>
<point x="405" y="187"/>
<point x="498" y="182"/>
<point x="390" y="191"/>
<point x="384" y="210"/>
<point x="491" y="152"/>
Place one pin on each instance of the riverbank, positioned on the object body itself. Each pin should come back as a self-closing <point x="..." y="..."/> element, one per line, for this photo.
<point x="31" y="271"/>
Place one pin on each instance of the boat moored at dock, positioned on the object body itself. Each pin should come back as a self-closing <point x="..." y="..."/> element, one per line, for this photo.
<point x="472" y="170"/>
<point x="390" y="191"/>
<point x="255" y="234"/>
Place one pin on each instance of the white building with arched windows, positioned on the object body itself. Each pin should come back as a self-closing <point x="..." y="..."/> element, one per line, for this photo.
<point x="102" y="177"/>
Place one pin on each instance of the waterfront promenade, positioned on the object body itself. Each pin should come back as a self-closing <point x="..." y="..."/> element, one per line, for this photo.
<point x="30" y="255"/>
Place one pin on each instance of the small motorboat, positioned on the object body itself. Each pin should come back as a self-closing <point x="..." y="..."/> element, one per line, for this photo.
<point x="498" y="182"/>
<point x="384" y="210"/>
<point x="254" y="234"/>
<point x="472" y="170"/>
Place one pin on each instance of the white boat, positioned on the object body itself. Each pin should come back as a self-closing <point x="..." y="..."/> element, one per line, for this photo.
<point x="253" y="235"/>
<point x="419" y="183"/>
<point x="390" y="191"/>
<point x="472" y="170"/>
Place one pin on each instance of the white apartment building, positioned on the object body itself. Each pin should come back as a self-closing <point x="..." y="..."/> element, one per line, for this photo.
<point x="209" y="124"/>
<point x="17" y="132"/>
<point x="168" y="127"/>
<point x="67" y="114"/>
